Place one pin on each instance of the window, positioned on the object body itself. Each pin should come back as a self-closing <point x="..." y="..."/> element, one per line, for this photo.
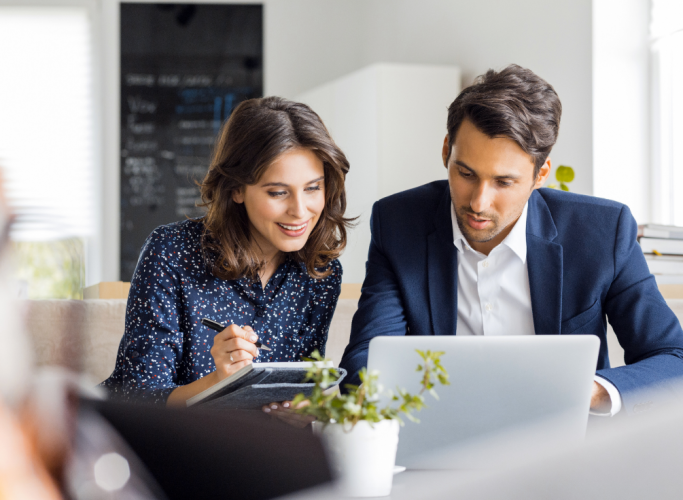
<point x="666" y="45"/>
<point x="46" y="143"/>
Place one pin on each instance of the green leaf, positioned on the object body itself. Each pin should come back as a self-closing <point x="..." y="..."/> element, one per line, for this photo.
<point x="564" y="174"/>
<point x="361" y="402"/>
<point x="563" y="186"/>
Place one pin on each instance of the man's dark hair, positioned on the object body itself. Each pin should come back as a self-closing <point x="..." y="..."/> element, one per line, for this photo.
<point x="514" y="103"/>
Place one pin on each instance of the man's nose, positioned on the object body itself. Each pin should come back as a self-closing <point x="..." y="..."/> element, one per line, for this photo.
<point x="481" y="198"/>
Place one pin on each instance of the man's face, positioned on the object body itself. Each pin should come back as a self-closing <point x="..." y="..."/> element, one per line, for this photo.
<point x="490" y="181"/>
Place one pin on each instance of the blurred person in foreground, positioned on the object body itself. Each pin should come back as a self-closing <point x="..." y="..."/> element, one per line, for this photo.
<point x="488" y="252"/>
<point x="24" y="463"/>
<point x="263" y="261"/>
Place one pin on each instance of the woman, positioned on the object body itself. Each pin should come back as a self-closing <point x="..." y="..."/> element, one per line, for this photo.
<point x="263" y="259"/>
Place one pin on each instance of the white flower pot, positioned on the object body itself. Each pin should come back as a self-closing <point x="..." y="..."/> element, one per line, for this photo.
<point x="362" y="458"/>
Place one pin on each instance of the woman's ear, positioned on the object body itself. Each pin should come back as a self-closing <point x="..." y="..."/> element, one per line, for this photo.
<point x="238" y="195"/>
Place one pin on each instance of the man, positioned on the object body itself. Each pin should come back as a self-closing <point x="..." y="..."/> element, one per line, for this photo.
<point x="488" y="253"/>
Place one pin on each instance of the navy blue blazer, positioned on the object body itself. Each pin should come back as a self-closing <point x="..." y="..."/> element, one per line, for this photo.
<point x="584" y="263"/>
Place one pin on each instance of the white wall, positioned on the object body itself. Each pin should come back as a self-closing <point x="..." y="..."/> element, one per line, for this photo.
<point x="551" y="38"/>
<point x="309" y="42"/>
<point x="389" y="120"/>
<point x="621" y="122"/>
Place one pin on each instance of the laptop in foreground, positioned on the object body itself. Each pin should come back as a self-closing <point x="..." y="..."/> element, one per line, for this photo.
<point x="536" y="386"/>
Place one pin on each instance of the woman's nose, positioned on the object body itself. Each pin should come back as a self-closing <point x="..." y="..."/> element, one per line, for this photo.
<point x="297" y="207"/>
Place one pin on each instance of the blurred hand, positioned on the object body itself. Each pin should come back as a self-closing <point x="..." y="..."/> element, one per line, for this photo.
<point x="284" y="411"/>
<point x="233" y="349"/>
<point x="600" y="400"/>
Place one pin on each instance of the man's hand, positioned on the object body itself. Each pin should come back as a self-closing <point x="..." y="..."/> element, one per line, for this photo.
<point x="600" y="400"/>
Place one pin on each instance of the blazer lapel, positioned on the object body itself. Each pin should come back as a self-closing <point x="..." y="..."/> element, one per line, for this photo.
<point x="544" y="262"/>
<point x="442" y="269"/>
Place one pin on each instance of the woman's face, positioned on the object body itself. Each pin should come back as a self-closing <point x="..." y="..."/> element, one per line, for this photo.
<point x="285" y="204"/>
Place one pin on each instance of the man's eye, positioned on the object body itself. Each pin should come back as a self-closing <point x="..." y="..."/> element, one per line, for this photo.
<point x="465" y="174"/>
<point x="504" y="183"/>
<point x="277" y="194"/>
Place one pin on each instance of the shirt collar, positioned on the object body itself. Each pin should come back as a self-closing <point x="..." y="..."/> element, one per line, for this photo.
<point x="515" y="240"/>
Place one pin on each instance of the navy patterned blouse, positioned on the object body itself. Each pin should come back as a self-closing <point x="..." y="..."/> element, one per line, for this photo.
<point x="165" y="345"/>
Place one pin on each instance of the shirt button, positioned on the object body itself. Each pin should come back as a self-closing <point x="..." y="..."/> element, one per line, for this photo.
<point x="489" y="307"/>
<point x="260" y="313"/>
<point x="485" y="264"/>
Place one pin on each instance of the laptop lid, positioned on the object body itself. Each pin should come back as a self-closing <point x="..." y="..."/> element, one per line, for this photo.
<point x="497" y="385"/>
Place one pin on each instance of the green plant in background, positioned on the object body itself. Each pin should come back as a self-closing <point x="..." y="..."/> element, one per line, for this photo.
<point x="51" y="269"/>
<point x="564" y="176"/>
<point x="362" y="402"/>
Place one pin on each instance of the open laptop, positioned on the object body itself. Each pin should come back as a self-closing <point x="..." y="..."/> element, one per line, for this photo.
<point x="516" y="392"/>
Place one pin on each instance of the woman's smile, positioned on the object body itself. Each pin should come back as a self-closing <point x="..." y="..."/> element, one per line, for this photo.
<point x="293" y="230"/>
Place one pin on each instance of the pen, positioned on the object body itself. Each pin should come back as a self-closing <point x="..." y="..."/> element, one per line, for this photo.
<point x="214" y="325"/>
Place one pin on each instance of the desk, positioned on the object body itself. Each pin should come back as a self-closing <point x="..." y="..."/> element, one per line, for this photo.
<point x="408" y="485"/>
<point x="635" y="458"/>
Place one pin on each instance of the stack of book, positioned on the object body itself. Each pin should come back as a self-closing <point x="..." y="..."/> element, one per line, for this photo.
<point x="663" y="249"/>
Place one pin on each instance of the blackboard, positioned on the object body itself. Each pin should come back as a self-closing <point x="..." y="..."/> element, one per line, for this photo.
<point x="183" y="70"/>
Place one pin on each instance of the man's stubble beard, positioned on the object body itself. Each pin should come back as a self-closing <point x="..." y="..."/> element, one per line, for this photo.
<point x="488" y="235"/>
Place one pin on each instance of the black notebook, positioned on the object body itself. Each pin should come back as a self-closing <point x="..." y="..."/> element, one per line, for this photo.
<point x="258" y="384"/>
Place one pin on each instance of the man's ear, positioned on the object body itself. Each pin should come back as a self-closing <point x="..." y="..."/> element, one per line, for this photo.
<point x="238" y="195"/>
<point x="444" y="151"/>
<point x="543" y="173"/>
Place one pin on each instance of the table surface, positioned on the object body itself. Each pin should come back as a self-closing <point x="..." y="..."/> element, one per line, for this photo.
<point x="410" y="484"/>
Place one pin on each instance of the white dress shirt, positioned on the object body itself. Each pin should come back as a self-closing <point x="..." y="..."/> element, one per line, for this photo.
<point x="493" y="291"/>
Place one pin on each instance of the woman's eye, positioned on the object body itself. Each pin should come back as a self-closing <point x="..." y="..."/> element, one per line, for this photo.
<point x="277" y="194"/>
<point x="313" y="188"/>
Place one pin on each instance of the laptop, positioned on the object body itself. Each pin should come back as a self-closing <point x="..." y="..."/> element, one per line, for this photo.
<point x="506" y="395"/>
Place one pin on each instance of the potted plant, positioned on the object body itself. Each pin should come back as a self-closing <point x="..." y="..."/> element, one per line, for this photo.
<point x="360" y="437"/>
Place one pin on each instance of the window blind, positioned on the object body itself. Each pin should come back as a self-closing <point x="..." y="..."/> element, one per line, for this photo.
<point x="46" y="132"/>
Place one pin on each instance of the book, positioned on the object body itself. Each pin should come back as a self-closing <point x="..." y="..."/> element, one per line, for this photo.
<point x="669" y="279"/>
<point x="258" y="384"/>
<point x="665" y="264"/>
<point x="661" y="245"/>
<point x="660" y="231"/>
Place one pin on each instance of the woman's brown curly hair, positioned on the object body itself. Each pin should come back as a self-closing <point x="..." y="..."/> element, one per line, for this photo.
<point x="258" y="131"/>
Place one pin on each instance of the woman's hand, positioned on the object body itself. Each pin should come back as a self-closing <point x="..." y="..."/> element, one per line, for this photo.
<point x="285" y="412"/>
<point x="233" y="349"/>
